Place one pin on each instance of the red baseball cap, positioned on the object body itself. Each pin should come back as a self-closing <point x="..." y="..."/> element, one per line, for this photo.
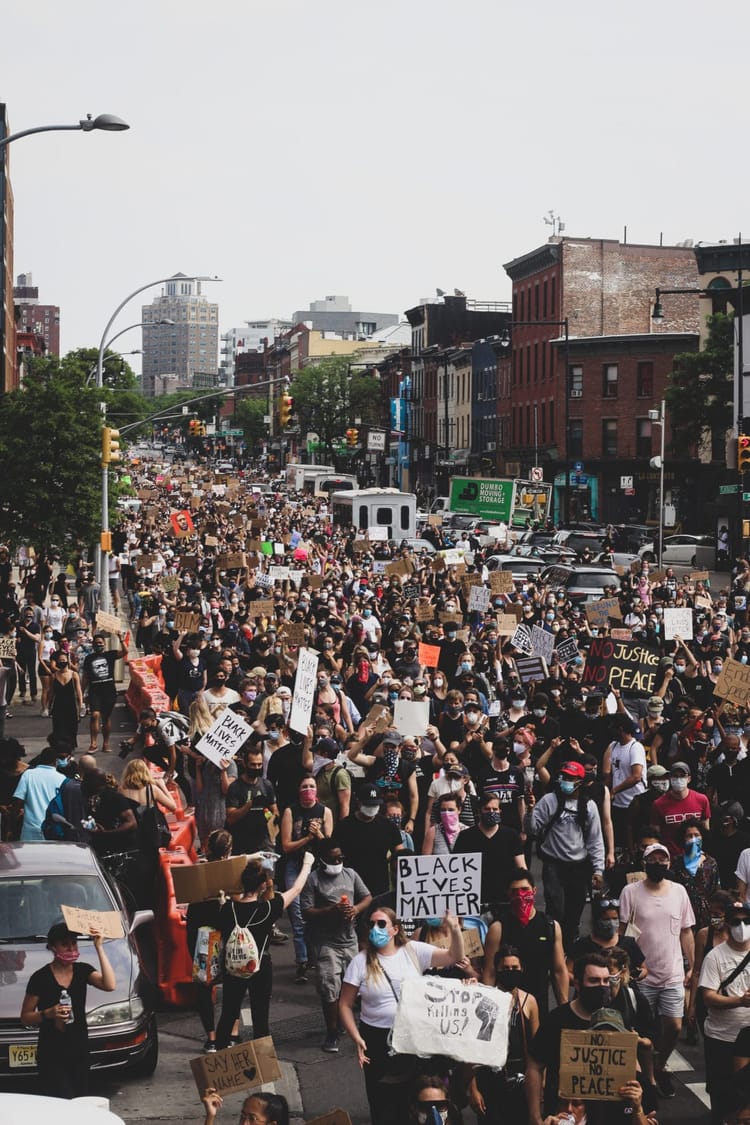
<point x="573" y="769"/>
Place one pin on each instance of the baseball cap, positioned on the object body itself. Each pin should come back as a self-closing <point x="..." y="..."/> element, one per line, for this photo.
<point x="655" y="848"/>
<point x="457" y="771"/>
<point x="609" y="1018"/>
<point x="573" y="769"/>
<point x="368" y="794"/>
<point x="656" y="771"/>
<point x="392" y="737"/>
<point x="676" y="767"/>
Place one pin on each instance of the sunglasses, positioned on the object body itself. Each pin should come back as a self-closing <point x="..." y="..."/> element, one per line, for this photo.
<point x="381" y="923"/>
<point x="609" y="904"/>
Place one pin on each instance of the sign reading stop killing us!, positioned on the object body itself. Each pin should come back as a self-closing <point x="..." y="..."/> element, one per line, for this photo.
<point x="430" y="885"/>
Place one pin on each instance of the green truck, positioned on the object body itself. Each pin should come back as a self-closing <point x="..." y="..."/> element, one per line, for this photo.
<point x="499" y="500"/>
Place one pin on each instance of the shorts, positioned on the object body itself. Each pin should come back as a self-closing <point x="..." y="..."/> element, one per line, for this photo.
<point x="103" y="702"/>
<point x="332" y="964"/>
<point x="664" y="1001"/>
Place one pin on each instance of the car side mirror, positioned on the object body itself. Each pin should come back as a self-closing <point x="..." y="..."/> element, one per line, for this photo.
<point x="140" y="918"/>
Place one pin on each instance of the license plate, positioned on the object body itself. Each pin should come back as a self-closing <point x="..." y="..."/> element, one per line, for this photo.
<point x="22" y="1054"/>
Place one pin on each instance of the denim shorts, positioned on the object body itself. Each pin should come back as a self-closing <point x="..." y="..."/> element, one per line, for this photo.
<point x="668" y="1000"/>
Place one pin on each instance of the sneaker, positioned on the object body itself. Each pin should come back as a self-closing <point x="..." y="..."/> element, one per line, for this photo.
<point x="234" y="1040"/>
<point x="664" y="1083"/>
<point x="300" y="977"/>
<point x="278" y="937"/>
<point x="209" y="1047"/>
<point x="26" y="702"/>
<point x="331" y="1044"/>
<point x="45" y="712"/>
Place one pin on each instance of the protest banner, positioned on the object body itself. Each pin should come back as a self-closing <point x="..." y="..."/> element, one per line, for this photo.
<point x="678" y="623"/>
<point x="305" y="686"/>
<point x="521" y="639"/>
<point x="506" y="624"/>
<point x="623" y="665"/>
<point x="169" y="583"/>
<point x="595" y="1064"/>
<point x="315" y="581"/>
<point x="599" y="613"/>
<point x="7" y="647"/>
<point x="262" y="607"/>
<point x="249" y="1064"/>
<point x="734" y="682"/>
<point x="542" y="643"/>
<point x="699" y="576"/>
<point x="108" y="622"/>
<point x="531" y="669"/>
<point x="410" y="592"/>
<point x="296" y="576"/>
<point x="501" y="582"/>
<point x="429" y="655"/>
<point x="186" y="622"/>
<point x="378" y="534"/>
<point x="210" y="541"/>
<point x="479" y="599"/>
<point x="411" y="718"/>
<point x="224" y="737"/>
<point x="293" y="632"/>
<point x="402" y="568"/>
<point x="106" y="922"/>
<point x="567" y="650"/>
<point x="428" y="885"/>
<point x="234" y="560"/>
<point x="464" y="1021"/>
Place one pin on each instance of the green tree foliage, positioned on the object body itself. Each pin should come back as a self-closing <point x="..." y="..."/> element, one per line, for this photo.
<point x="249" y="414"/>
<point x="328" y="396"/>
<point x="700" y="393"/>
<point x="50" y="448"/>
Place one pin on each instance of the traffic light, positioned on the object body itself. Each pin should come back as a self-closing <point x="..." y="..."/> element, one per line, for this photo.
<point x="286" y="409"/>
<point x="743" y="453"/>
<point x="194" y="427"/>
<point x="352" y="437"/>
<point x="105" y="541"/>
<point x="111" y="445"/>
<point x="746" y="529"/>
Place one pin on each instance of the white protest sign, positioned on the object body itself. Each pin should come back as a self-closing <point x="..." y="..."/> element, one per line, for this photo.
<point x="305" y="686"/>
<point x="521" y="640"/>
<point x="542" y="643"/>
<point x="279" y="573"/>
<point x="466" y="1022"/>
<point x="378" y="566"/>
<point x="224" y="737"/>
<point x="479" y="599"/>
<point x="378" y="534"/>
<point x="296" y="576"/>
<point x="452" y="557"/>
<point x="678" y="623"/>
<point x="411" y="718"/>
<point x="428" y="885"/>
<point x="567" y="650"/>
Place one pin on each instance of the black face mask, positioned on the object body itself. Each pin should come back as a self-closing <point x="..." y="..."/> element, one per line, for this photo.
<point x="656" y="872"/>
<point x="490" y="817"/>
<point x="593" y="996"/>
<point x="252" y="771"/>
<point x="606" y="928"/>
<point x="508" y="979"/>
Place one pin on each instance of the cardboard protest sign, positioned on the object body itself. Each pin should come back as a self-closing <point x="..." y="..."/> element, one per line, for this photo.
<point x="7" y="647"/>
<point x="472" y="942"/>
<point x="424" y="612"/>
<point x="224" y="737"/>
<point x="232" y="561"/>
<point x="542" y="643"/>
<point x="360" y="545"/>
<point x="699" y="576"/>
<point x="169" y="583"/>
<point x="703" y="602"/>
<point x="599" y="613"/>
<point x="305" y="686"/>
<point x="594" y="1064"/>
<point x="315" y="581"/>
<point x="623" y="665"/>
<point x="466" y="1022"/>
<point x="506" y="624"/>
<point x="470" y="580"/>
<point x="501" y="582"/>
<point x="107" y="922"/>
<point x="438" y="563"/>
<point x="249" y="1064"/>
<point x="531" y="669"/>
<point x="263" y="607"/>
<point x="401" y="567"/>
<point x="567" y="650"/>
<point x="429" y="655"/>
<point x="734" y="682"/>
<point x="200" y="882"/>
<point x="211" y="541"/>
<point x="335" y="1117"/>
<point x="479" y="599"/>
<point x="428" y="885"/>
<point x="293" y="632"/>
<point x="186" y="622"/>
<point x="678" y="623"/>
<point x="411" y="718"/>
<point x="182" y="523"/>
<point x="521" y="639"/>
<point x="188" y="562"/>
<point x="108" y="622"/>
<point x="378" y="717"/>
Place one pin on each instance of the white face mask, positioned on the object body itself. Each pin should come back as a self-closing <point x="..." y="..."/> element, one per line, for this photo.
<point x="741" y="932"/>
<point x="333" y="868"/>
<point x="370" y="811"/>
<point x="679" y="784"/>
<point x="661" y="785"/>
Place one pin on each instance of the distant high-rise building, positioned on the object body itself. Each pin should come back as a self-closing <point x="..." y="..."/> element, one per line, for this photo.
<point x="335" y="314"/>
<point x="8" y="368"/>
<point x="252" y="336"/>
<point x="180" y="337"/>
<point x="31" y="317"/>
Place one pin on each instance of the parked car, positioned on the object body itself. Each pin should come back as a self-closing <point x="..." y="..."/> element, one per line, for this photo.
<point x="417" y="545"/>
<point x="616" y="558"/>
<point x="523" y="570"/>
<point x="577" y="541"/>
<point x="546" y="554"/>
<point x="35" y="880"/>
<point x="580" y="583"/>
<point x="678" y="550"/>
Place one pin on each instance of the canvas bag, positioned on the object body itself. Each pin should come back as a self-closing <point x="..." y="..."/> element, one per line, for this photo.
<point x="207" y="956"/>
<point x="241" y="956"/>
<point x="466" y="1022"/>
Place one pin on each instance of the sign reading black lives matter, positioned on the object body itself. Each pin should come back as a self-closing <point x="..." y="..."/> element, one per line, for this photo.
<point x="621" y="665"/>
<point x="224" y="737"/>
<point x="430" y="885"/>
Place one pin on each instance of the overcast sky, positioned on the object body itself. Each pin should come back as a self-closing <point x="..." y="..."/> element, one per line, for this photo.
<point x="383" y="149"/>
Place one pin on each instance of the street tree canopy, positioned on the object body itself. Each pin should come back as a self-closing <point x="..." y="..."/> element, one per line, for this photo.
<point x="700" y="393"/>
<point x="328" y="398"/>
<point x="248" y="415"/>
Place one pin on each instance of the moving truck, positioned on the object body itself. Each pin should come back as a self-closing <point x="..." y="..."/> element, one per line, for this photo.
<point x="381" y="513"/>
<point x="500" y="500"/>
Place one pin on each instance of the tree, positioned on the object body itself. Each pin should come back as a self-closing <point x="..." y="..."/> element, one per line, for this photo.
<point x="249" y="414"/>
<point x="328" y="398"/>
<point x="700" y="394"/>
<point x="50" y="447"/>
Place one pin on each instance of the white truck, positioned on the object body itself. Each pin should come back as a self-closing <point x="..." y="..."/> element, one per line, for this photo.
<point x="380" y="513"/>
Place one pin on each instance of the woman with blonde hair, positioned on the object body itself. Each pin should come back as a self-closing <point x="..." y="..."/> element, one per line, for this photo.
<point x="137" y="780"/>
<point x="210" y="783"/>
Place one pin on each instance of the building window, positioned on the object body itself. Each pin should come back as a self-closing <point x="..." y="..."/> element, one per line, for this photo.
<point x="609" y="380"/>
<point x="609" y="437"/>
<point x="576" y="381"/>
<point x="642" y="437"/>
<point x="645" y="380"/>
<point x="575" y="440"/>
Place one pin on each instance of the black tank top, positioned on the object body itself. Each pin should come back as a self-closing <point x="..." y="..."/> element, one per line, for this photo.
<point x="535" y="944"/>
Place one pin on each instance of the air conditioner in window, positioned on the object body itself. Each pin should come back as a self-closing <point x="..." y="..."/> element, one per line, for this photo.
<point x="576" y="393"/>
<point x="491" y="446"/>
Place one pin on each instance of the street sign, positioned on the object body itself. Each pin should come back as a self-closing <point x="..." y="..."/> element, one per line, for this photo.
<point x="376" y="441"/>
<point x="536" y="473"/>
<point x="236" y="433"/>
<point x="626" y="482"/>
<point x="746" y="496"/>
<point x="728" y="489"/>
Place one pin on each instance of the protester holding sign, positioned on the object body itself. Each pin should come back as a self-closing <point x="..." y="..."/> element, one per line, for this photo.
<point x="376" y="975"/>
<point x="258" y="1109"/>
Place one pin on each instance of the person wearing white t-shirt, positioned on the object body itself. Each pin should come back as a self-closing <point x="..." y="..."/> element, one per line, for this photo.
<point x="624" y="771"/>
<point x="376" y="975"/>
<point x="725" y="981"/>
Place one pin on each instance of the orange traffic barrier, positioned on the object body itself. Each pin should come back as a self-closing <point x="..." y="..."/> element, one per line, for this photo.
<point x="175" y="965"/>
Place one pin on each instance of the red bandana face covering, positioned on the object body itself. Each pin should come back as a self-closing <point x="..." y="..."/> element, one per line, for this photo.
<point x="522" y="904"/>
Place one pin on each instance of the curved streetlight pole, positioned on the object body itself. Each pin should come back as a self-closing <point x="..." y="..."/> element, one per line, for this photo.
<point x="105" y="121"/>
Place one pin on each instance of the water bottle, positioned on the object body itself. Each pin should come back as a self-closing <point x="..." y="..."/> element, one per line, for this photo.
<point x="66" y="1002"/>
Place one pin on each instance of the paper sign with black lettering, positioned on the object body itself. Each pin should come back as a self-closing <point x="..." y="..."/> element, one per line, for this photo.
<point x="479" y="599"/>
<point x="567" y="650"/>
<point x="599" y="613"/>
<point x="466" y="1022"/>
<point x="521" y="640"/>
<point x="305" y="686"/>
<point x="224" y="737"/>
<point x="531" y="669"/>
<point x="595" y="1064"/>
<point x="542" y="643"/>
<point x="621" y="664"/>
<point x="428" y="885"/>
<point x="678" y="622"/>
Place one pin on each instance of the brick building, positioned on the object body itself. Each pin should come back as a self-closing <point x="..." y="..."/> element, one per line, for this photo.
<point x="34" y="318"/>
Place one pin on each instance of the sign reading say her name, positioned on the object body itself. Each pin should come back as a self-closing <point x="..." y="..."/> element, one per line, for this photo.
<point x="224" y="737"/>
<point x="595" y="1064"/>
<point x="428" y="885"/>
<point x="466" y="1022"/>
<point x="253" y="1063"/>
<point x="621" y="664"/>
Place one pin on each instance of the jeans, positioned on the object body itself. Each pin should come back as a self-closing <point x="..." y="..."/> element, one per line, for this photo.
<point x="293" y="867"/>
<point x="565" y="887"/>
<point x="233" y="993"/>
<point x="27" y="666"/>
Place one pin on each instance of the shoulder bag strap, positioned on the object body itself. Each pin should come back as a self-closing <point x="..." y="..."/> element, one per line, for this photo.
<point x="734" y="974"/>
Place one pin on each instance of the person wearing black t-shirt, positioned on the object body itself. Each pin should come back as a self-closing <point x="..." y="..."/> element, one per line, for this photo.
<point x="605" y="937"/>
<point x="63" y="1049"/>
<point x="251" y="805"/>
<point x="98" y="677"/>
<point x="501" y="850"/>
<point x="368" y="840"/>
<point x="506" y="782"/>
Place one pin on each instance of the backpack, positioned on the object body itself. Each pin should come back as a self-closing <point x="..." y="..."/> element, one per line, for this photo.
<point x="153" y="830"/>
<point x="241" y="956"/>
<point x="55" y="826"/>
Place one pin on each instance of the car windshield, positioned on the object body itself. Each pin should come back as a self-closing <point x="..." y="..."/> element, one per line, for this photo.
<point x="596" y="578"/>
<point x="30" y="905"/>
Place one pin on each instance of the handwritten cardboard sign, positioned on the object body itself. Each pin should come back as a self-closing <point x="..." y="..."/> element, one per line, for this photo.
<point x="7" y="647"/>
<point x="699" y="576"/>
<point x="599" y="613"/>
<point x="169" y="583"/>
<point x="294" y="632"/>
<point x="465" y="1021"/>
<point x="621" y="634"/>
<point x="107" y="922"/>
<point x="263" y="607"/>
<point x="501" y="582"/>
<point x="424" y="612"/>
<point x="506" y="624"/>
<point x="224" y="737"/>
<point x="185" y="621"/>
<point x="429" y="655"/>
<point x="595" y="1064"/>
<point x="201" y="882"/>
<point x="472" y="942"/>
<point x="249" y="1064"/>
<point x="378" y="717"/>
<point x="734" y="682"/>
<point x="428" y="885"/>
<point x="232" y="561"/>
<point x="108" y="622"/>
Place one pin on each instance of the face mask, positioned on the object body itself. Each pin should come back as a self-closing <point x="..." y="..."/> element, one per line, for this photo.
<point x="366" y="613"/>
<point x="693" y="846"/>
<point x="606" y="928"/>
<point x="660" y="784"/>
<point x="508" y="979"/>
<point x="451" y="636"/>
<point x="567" y="787"/>
<point x="429" y="1113"/>
<point x="437" y="683"/>
<point x="550" y="616"/>
<point x="379" y="937"/>
<point x="679" y="784"/>
<point x="518" y="702"/>
<point x="490" y="817"/>
<point x="593" y="996"/>
<point x="274" y="735"/>
<point x="252" y="771"/>
<point x="393" y="696"/>
<point x="522" y="904"/>
<point x="48" y="636"/>
<point x="740" y="932"/>
<point x="716" y="669"/>
<point x="679" y="669"/>
<point x="449" y="818"/>
<point x="433" y="923"/>
<point x="472" y="718"/>
<point x="67" y="956"/>
<point x="333" y="868"/>
<point x="369" y="811"/>
<point x="465" y="666"/>
<point x="251" y="695"/>
<point x="656" y="872"/>
<point x="539" y="712"/>
<point x="61" y="763"/>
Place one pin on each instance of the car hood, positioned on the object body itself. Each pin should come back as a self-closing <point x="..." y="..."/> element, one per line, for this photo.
<point x="19" y="960"/>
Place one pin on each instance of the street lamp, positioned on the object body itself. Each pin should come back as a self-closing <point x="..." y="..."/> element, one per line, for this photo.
<point x="657" y="418"/>
<point x="105" y="121"/>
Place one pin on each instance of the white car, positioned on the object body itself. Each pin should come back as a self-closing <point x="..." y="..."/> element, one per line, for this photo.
<point x="678" y="550"/>
<point x="25" y="1109"/>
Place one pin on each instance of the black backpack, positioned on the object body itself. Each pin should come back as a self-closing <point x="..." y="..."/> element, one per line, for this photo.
<point x="153" y="830"/>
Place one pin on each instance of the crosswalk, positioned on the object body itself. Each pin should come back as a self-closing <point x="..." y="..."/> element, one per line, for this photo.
<point x="679" y="1065"/>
